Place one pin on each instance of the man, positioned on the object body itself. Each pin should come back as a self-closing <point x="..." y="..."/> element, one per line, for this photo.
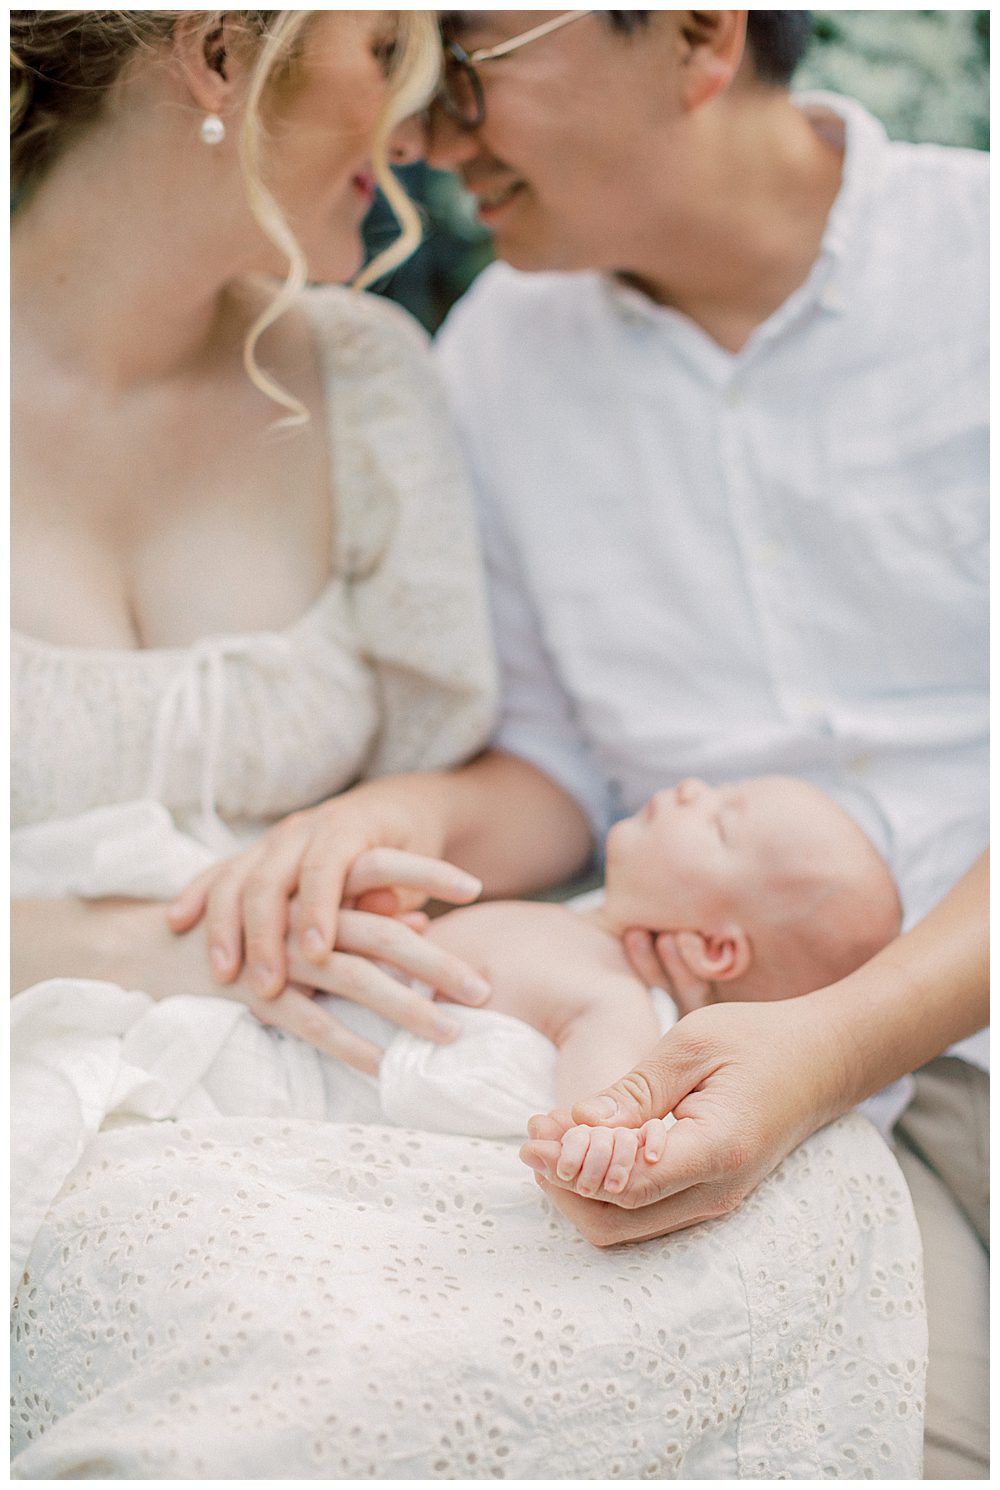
<point x="732" y="461"/>
<point x="732" y="469"/>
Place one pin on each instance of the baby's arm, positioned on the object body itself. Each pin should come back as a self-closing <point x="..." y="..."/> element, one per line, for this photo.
<point x="604" y="1016"/>
<point x="564" y="977"/>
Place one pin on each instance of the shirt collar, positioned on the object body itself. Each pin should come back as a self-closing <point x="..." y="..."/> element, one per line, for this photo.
<point x="865" y="161"/>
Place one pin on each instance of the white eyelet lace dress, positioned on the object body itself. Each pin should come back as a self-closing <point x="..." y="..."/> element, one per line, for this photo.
<point x="224" y="1282"/>
<point x="388" y="670"/>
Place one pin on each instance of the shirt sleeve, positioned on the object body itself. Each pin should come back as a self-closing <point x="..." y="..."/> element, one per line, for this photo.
<point x="538" y="719"/>
<point x="407" y="540"/>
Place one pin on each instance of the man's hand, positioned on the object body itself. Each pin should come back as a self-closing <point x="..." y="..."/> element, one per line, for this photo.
<point x="746" y="1083"/>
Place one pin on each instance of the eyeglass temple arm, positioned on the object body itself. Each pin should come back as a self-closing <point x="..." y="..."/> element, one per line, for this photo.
<point x="486" y="54"/>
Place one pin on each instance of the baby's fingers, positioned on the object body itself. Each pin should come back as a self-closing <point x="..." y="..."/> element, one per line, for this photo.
<point x="653" y="1137"/>
<point x="573" y="1153"/>
<point x="625" y="1147"/>
<point x="594" y="1169"/>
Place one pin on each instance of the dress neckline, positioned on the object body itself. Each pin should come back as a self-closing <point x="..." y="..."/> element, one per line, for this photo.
<point x="324" y="363"/>
<point x="182" y="649"/>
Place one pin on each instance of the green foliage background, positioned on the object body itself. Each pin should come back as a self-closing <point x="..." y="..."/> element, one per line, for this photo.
<point x="925" y="73"/>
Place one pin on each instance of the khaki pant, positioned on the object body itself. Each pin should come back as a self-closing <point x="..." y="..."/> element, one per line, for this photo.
<point x="942" y="1144"/>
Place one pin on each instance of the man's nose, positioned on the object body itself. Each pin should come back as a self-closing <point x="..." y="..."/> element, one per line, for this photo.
<point x="448" y="145"/>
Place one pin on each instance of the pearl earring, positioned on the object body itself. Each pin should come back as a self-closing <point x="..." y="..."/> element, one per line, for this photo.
<point x="213" y="131"/>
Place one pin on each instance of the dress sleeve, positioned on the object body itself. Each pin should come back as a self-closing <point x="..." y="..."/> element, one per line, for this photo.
<point x="406" y="541"/>
<point x="538" y="718"/>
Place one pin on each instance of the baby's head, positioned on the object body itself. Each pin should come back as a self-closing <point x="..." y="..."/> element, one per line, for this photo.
<point x="776" y="889"/>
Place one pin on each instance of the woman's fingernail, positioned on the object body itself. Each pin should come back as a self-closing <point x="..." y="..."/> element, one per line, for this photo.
<point x="467" y="885"/>
<point x="447" y="1027"/>
<point x="262" y="977"/>
<point x="477" y="989"/>
<point x="219" y="958"/>
<point x="603" y="1107"/>
<point x="313" y="943"/>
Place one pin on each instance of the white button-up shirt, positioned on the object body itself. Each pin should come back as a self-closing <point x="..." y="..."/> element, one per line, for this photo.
<point x="726" y="564"/>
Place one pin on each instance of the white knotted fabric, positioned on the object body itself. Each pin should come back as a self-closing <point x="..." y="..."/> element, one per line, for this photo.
<point x="191" y="715"/>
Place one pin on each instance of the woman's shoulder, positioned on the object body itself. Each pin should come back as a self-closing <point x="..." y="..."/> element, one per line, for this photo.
<point x="358" y="330"/>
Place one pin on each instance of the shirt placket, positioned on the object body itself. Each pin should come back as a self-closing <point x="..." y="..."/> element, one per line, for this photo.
<point x="768" y="565"/>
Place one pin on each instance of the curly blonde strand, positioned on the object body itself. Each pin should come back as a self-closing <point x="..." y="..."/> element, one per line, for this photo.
<point x="63" y="62"/>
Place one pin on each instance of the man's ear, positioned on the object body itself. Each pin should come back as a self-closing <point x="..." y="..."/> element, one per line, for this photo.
<point x="712" y="46"/>
<point x="717" y="958"/>
<point x="201" y="46"/>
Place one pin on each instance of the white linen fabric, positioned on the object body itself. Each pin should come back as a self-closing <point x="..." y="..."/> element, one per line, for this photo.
<point x="389" y="670"/>
<point x="214" y="1276"/>
<point x="716" y="564"/>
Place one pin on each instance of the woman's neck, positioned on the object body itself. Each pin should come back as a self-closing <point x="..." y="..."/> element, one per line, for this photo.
<point x="112" y="278"/>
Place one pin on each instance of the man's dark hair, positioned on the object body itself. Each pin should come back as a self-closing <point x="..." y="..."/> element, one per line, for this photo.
<point x="777" y="39"/>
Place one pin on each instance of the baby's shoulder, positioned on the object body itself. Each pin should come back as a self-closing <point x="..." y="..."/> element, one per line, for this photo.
<point x="505" y="938"/>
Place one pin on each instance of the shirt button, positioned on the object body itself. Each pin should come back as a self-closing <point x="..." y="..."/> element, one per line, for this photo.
<point x="767" y="554"/>
<point x="734" y="396"/>
<point x="860" y="765"/>
<point x="813" y="711"/>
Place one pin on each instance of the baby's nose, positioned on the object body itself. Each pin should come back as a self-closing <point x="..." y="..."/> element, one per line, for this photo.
<point x="690" y="789"/>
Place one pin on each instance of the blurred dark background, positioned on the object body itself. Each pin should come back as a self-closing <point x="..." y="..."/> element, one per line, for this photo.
<point x="924" y="73"/>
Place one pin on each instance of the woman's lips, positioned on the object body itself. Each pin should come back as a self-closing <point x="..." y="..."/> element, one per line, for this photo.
<point x="364" y="182"/>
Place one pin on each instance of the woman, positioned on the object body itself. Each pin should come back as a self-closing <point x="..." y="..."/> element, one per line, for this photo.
<point x="161" y="166"/>
<point x="230" y="1295"/>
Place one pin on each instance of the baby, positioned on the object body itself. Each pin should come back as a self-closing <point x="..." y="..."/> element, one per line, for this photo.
<point x="770" y="888"/>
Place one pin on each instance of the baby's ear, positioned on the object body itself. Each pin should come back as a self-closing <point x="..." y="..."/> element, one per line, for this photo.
<point x="716" y="957"/>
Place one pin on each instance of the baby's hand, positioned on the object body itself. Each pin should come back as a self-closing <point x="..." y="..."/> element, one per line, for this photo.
<point x="591" y="1160"/>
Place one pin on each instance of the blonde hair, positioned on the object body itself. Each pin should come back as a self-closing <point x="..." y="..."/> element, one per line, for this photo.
<point x="62" y="62"/>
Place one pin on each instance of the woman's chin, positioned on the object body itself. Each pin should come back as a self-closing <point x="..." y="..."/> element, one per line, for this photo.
<point x="336" y="263"/>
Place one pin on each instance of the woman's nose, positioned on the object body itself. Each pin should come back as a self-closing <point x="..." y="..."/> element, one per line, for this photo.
<point x="690" y="789"/>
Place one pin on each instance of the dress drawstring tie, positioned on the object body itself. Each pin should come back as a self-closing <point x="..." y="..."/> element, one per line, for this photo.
<point x="193" y="708"/>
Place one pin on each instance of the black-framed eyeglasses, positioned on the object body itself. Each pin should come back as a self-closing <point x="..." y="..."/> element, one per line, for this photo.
<point x="460" y="93"/>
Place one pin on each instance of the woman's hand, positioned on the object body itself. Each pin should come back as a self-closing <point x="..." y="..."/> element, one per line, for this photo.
<point x="746" y="1083"/>
<point x="309" y="856"/>
<point x="127" y="942"/>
